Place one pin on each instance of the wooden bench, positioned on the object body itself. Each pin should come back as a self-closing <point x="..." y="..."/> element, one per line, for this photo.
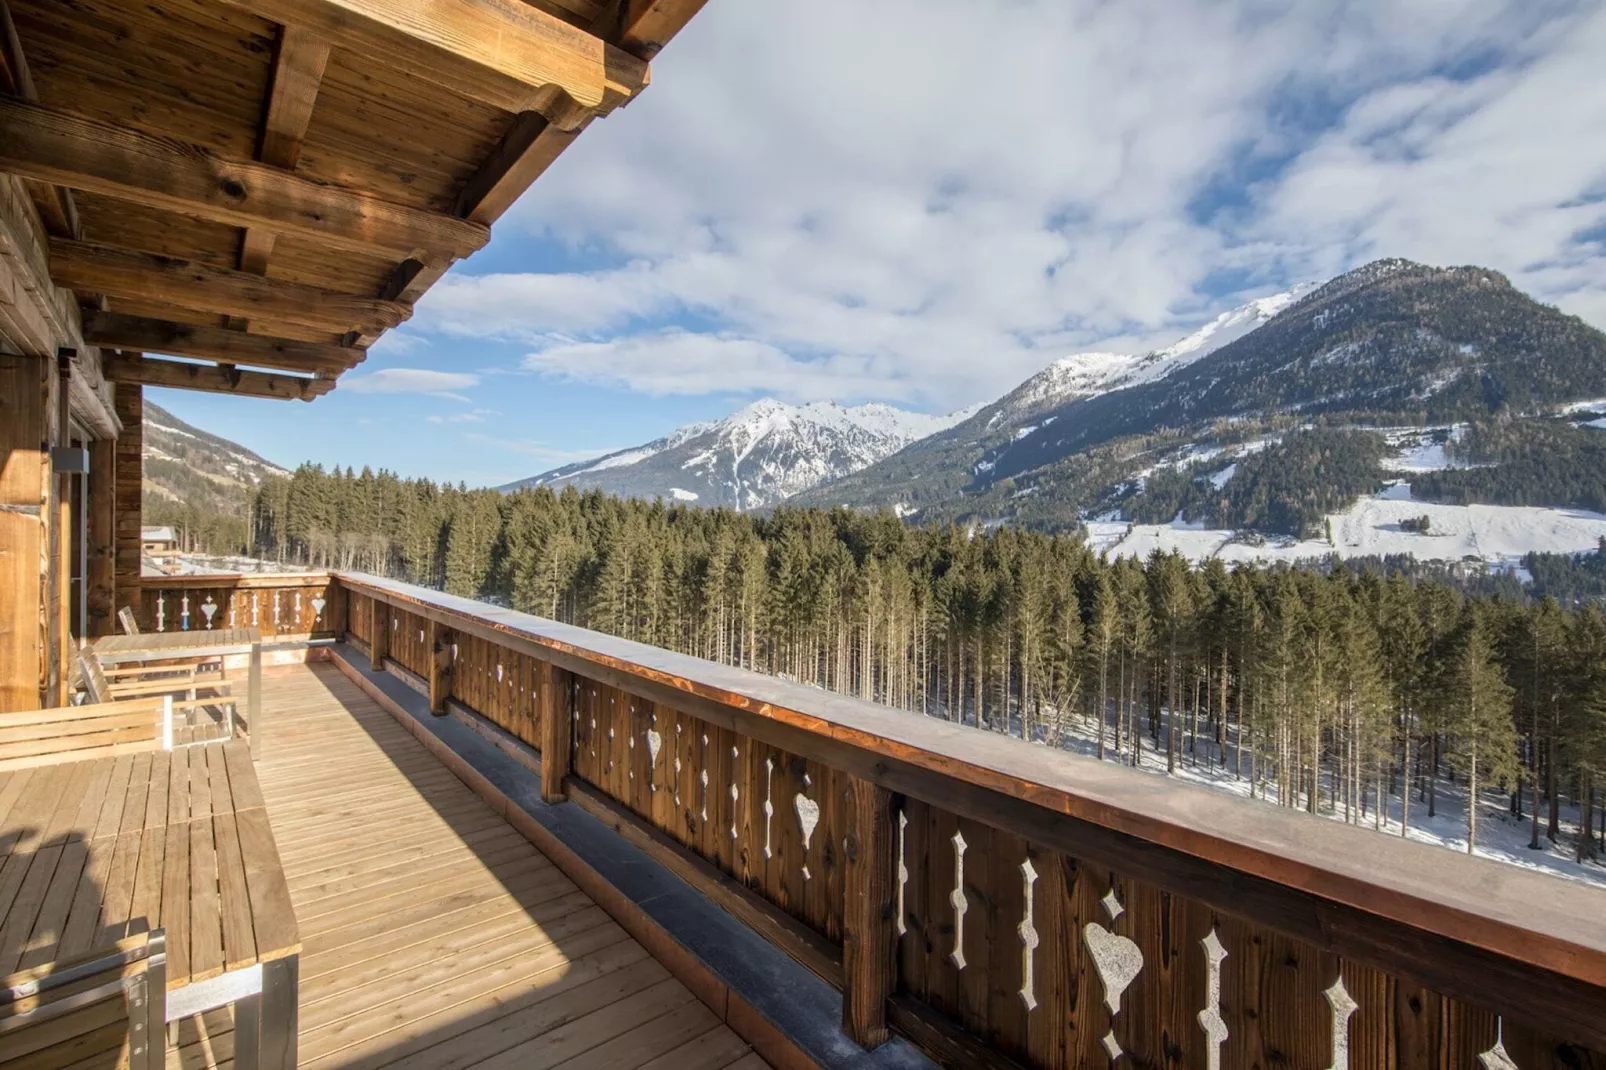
<point x="105" y="1009"/>
<point x="188" y="689"/>
<point x="95" y="730"/>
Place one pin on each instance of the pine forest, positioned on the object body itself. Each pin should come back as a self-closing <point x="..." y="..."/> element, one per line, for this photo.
<point x="1338" y="690"/>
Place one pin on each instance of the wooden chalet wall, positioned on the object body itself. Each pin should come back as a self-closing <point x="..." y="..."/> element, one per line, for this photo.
<point x="37" y="321"/>
<point x="126" y="486"/>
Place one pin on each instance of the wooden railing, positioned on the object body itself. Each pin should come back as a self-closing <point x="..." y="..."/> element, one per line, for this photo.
<point x="1003" y="904"/>
<point x="284" y="606"/>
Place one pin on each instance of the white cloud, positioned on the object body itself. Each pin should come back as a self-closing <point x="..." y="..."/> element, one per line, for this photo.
<point x="412" y="381"/>
<point x="931" y="216"/>
<point x="476" y="416"/>
<point x="541" y="451"/>
<point x="676" y="361"/>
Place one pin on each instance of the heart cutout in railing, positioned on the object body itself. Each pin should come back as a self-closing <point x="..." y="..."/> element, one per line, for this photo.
<point x="317" y="607"/>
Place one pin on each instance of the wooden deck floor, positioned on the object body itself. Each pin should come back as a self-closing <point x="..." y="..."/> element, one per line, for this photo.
<point x="434" y="934"/>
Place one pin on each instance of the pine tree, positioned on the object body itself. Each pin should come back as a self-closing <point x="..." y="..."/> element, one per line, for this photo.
<point x="1482" y="739"/>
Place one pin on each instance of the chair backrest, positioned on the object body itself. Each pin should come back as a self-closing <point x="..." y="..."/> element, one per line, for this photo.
<point x="93" y="677"/>
<point x="125" y="617"/>
<point x="58" y="1014"/>
<point x="94" y="730"/>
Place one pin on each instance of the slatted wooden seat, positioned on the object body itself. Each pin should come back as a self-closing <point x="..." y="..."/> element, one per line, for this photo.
<point x="107" y="1009"/>
<point x="191" y="690"/>
<point x="93" y="730"/>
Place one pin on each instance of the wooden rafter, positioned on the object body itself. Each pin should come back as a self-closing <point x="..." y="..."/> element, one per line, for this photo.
<point x="645" y="26"/>
<point x="298" y="68"/>
<point x="209" y="377"/>
<point x="187" y="284"/>
<point x="114" y="330"/>
<point x="501" y="52"/>
<point x="119" y="162"/>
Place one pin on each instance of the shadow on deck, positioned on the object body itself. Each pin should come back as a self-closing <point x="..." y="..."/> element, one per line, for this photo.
<point x="434" y="934"/>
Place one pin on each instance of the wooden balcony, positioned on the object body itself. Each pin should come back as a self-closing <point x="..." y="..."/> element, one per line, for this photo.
<point x="981" y="901"/>
<point x="433" y="933"/>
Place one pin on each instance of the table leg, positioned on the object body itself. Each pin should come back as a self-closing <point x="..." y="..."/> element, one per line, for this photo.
<point x="281" y="989"/>
<point x="248" y="1032"/>
<point x="254" y="700"/>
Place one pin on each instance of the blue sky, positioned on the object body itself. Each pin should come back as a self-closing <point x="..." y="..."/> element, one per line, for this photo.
<point x="927" y="218"/>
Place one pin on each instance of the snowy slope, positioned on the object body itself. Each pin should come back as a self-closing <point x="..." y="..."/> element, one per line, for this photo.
<point x="1085" y="375"/>
<point x="759" y="455"/>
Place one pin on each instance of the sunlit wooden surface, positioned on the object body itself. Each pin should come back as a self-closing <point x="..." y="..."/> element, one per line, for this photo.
<point x="434" y="935"/>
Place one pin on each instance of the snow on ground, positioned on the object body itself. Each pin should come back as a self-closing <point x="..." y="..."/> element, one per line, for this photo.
<point x="1497" y="534"/>
<point x="683" y="495"/>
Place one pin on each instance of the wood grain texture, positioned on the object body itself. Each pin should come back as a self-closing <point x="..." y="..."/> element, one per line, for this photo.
<point x="146" y="335"/>
<point x="869" y="935"/>
<point x="501" y="52"/>
<point x="121" y="162"/>
<point x="115" y="272"/>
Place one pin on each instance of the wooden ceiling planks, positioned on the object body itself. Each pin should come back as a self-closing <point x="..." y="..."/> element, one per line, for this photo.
<point x="316" y="164"/>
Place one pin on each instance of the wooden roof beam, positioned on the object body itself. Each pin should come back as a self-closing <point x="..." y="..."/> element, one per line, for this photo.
<point x="209" y="377"/>
<point x="119" y="162"/>
<point x="298" y="68"/>
<point x="504" y="53"/>
<point x="113" y="330"/>
<point x="168" y="280"/>
<point x="645" y="26"/>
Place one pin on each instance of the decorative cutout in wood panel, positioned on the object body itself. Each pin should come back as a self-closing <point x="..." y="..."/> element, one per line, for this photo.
<point x="903" y="869"/>
<point x="1117" y="960"/>
<point x="1343" y="1005"/>
<point x="1210" y="1020"/>
<point x="769" y="806"/>
<point x="209" y="610"/>
<point x="1028" y="935"/>
<point x="1497" y="1058"/>
<point x="960" y="902"/>
<point x="808" y="818"/>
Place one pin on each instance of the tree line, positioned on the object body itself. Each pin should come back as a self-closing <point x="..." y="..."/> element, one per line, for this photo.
<point x="1338" y="690"/>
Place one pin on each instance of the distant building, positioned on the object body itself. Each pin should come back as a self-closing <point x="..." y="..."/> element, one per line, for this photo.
<point x="158" y="540"/>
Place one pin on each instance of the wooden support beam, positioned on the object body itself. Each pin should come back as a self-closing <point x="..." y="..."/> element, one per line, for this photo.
<point x="112" y="330"/>
<point x="524" y="153"/>
<point x="101" y="598"/>
<point x="128" y="489"/>
<point x="119" y="162"/>
<point x="869" y="921"/>
<point x="298" y="68"/>
<point x="645" y="26"/>
<point x="500" y="52"/>
<point x="215" y="379"/>
<point x="439" y="641"/>
<point x="379" y="629"/>
<point x="557" y="730"/>
<point x="25" y="523"/>
<point x="169" y="280"/>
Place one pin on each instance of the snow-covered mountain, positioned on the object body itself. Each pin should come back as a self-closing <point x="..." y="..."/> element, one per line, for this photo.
<point x="756" y="457"/>
<point x="1085" y="375"/>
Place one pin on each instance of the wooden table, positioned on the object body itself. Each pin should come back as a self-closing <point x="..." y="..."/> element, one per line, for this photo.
<point x="92" y="851"/>
<point x="224" y="642"/>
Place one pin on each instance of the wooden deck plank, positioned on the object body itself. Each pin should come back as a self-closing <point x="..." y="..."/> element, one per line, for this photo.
<point x="433" y="934"/>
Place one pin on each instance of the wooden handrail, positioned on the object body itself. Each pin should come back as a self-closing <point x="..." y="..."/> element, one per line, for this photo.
<point x="1516" y="942"/>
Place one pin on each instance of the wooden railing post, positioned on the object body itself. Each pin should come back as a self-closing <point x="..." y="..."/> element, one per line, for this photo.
<point x="379" y="633"/>
<point x="439" y="640"/>
<point x="869" y="929"/>
<point x="557" y="732"/>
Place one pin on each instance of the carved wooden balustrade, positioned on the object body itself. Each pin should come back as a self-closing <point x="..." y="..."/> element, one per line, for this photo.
<point x="282" y="606"/>
<point x="1002" y="904"/>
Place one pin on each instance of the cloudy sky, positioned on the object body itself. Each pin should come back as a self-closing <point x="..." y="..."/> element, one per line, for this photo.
<point x="925" y="201"/>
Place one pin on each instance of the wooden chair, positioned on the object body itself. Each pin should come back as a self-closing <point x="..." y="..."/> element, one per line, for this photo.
<point x="125" y="617"/>
<point x="187" y="686"/>
<point x="104" y="1010"/>
<point x="94" y="730"/>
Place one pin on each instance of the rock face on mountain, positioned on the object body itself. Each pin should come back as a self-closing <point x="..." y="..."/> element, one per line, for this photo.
<point x="185" y="465"/>
<point x="1392" y="343"/>
<point x="756" y="457"/>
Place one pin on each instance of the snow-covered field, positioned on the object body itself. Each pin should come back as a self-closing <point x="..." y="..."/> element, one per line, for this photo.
<point x="1497" y="534"/>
